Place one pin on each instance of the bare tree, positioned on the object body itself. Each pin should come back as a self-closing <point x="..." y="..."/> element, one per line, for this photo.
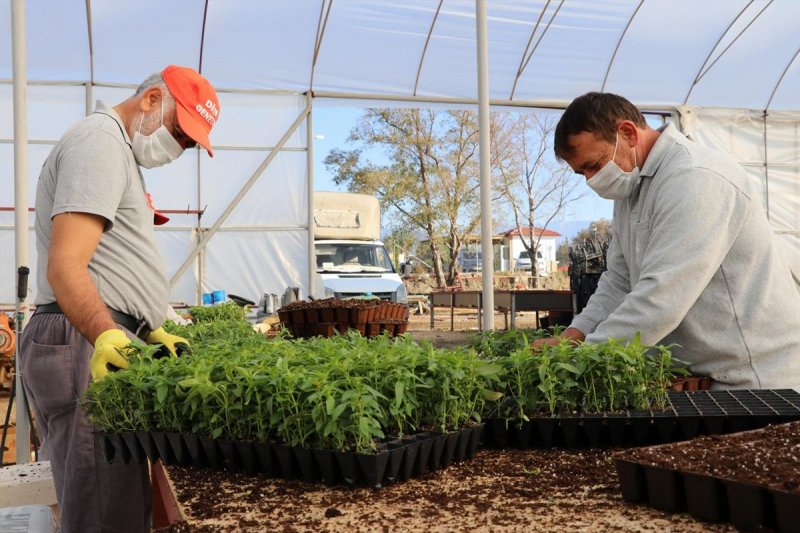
<point x="531" y="182"/>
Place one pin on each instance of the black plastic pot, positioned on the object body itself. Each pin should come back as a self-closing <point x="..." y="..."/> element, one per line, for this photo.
<point x="665" y="489"/>
<point x="435" y="459"/>
<point x="411" y="447"/>
<point x="149" y="447"/>
<point x="163" y="446"/>
<point x="688" y="426"/>
<point x="211" y="452"/>
<point x="749" y="506"/>
<point x="307" y="464"/>
<point x="396" y="449"/>
<point x="266" y="458"/>
<point x="372" y="467"/>
<point x="615" y="425"/>
<point x="423" y="455"/>
<point x="464" y="437"/>
<point x="632" y="481"/>
<point x="642" y="423"/>
<point x="195" y="448"/>
<point x="714" y="424"/>
<point x="351" y="474"/>
<point x="569" y="430"/>
<point x="286" y="463"/>
<point x="520" y="434"/>
<point x="326" y="463"/>
<point x="705" y="497"/>
<point x="178" y="447"/>
<point x="665" y="425"/>
<point x="134" y="447"/>
<point x="787" y="511"/>
<point x="545" y="431"/>
<point x="230" y="455"/>
<point x="592" y="425"/>
<point x="248" y="456"/>
<point x="497" y="433"/>
<point x="114" y="449"/>
<point x="474" y="441"/>
<point x="451" y="443"/>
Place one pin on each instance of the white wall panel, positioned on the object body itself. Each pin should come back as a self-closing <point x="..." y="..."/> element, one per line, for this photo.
<point x="278" y="197"/>
<point x="51" y="110"/>
<point x="251" y="263"/>
<point x="258" y="120"/>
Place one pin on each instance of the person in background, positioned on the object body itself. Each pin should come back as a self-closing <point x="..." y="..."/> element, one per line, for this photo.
<point x="101" y="283"/>
<point x="693" y="261"/>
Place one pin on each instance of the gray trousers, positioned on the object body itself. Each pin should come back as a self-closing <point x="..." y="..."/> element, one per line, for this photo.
<point x="93" y="494"/>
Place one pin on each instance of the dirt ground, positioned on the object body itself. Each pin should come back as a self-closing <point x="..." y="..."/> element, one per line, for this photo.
<point x="465" y="325"/>
<point x="497" y="491"/>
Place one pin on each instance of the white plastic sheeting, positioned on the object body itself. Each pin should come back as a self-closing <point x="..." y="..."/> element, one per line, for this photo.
<point x="775" y="164"/>
<point x="263" y="56"/>
<point x="731" y="53"/>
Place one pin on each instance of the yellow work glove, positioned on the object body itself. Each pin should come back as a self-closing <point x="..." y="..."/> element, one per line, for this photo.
<point x="108" y="350"/>
<point x="170" y="344"/>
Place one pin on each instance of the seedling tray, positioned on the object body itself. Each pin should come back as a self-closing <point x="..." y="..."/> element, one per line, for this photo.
<point x="674" y="478"/>
<point x="395" y="460"/>
<point x="689" y="414"/>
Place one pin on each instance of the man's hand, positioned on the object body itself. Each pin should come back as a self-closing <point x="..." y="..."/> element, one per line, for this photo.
<point x="107" y="350"/>
<point x="573" y="335"/>
<point x="171" y="345"/>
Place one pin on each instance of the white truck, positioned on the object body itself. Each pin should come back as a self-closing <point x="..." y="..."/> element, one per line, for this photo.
<point x="351" y="259"/>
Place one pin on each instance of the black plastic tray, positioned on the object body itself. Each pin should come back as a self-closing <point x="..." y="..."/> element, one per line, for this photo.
<point x="690" y="414"/>
<point x="395" y="460"/>
<point x="749" y="507"/>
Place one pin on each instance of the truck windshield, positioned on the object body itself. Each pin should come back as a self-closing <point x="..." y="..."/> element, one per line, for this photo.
<point x="350" y="257"/>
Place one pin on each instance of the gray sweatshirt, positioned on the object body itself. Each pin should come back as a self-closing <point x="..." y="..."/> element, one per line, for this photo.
<point x="693" y="262"/>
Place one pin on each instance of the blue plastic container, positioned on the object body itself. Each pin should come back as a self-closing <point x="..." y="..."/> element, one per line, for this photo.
<point x="208" y="298"/>
<point x="219" y="297"/>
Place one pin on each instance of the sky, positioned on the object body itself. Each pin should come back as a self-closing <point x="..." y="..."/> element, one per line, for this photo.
<point x="332" y="126"/>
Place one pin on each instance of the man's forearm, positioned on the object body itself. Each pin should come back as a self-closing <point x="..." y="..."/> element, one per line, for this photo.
<point x="78" y="298"/>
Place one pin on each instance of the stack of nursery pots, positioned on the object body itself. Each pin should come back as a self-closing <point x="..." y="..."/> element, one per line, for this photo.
<point x="611" y="394"/>
<point x="749" y="479"/>
<point x="342" y="410"/>
<point x="330" y="316"/>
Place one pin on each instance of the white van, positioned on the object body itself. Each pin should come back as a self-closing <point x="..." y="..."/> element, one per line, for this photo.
<point x="351" y="259"/>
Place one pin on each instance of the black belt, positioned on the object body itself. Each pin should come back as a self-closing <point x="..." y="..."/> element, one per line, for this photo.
<point x="138" y="327"/>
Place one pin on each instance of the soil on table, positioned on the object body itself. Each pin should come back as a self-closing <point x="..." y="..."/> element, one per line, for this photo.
<point x="768" y="457"/>
<point x="510" y="490"/>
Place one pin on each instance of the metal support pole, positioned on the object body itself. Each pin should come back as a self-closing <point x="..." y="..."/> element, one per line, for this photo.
<point x="312" y="259"/>
<point x="487" y="250"/>
<point x="238" y="198"/>
<point x="19" y="69"/>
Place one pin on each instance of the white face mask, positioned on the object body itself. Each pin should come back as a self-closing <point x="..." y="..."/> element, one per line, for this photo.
<point x="156" y="149"/>
<point x="611" y="182"/>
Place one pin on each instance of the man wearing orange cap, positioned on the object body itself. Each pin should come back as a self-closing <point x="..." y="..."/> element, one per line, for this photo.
<point x="101" y="282"/>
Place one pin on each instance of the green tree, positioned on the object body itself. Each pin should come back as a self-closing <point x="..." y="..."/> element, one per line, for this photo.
<point x="432" y="178"/>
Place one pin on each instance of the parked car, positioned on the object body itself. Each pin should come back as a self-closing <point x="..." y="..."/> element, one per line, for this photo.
<point x="470" y="261"/>
<point x="523" y="262"/>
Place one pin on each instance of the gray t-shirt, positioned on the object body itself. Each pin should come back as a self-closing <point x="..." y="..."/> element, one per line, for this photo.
<point x="92" y="170"/>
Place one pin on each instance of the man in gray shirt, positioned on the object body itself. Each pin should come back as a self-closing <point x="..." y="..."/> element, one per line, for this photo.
<point x="101" y="282"/>
<point x="693" y="261"/>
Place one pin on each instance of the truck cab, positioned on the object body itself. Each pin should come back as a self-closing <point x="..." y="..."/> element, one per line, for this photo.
<point x="351" y="260"/>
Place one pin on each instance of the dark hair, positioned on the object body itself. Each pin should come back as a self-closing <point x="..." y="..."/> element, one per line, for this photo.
<point x="596" y="113"/>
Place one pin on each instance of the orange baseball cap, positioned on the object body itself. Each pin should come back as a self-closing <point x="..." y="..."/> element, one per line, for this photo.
<point x="158" y="217"/>
<point x="197" y="105"/>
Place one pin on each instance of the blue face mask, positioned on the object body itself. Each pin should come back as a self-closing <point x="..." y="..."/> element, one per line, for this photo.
<point x="613" y="183"/>
<point x="156" y="149"/>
